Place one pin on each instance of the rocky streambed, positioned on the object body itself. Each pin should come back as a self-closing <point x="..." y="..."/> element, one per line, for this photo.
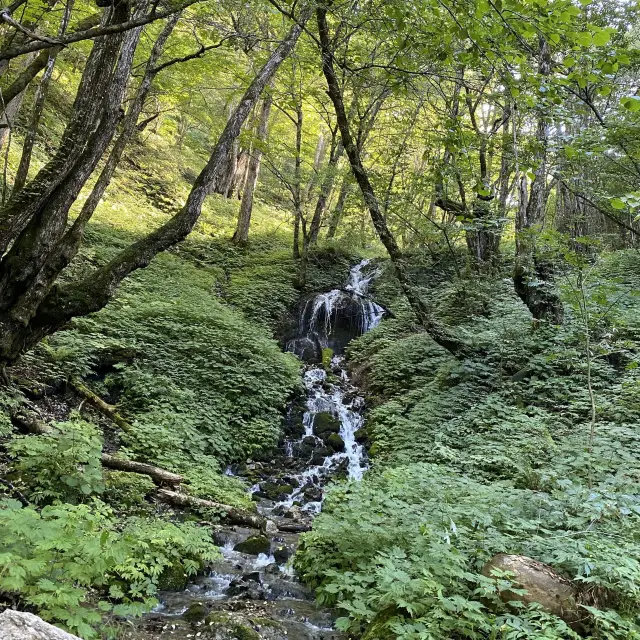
<point x="251" y="591"/>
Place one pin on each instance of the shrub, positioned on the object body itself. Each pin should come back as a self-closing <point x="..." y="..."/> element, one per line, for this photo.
<point x="65" y="557"/>
<point x="63" y="465"/>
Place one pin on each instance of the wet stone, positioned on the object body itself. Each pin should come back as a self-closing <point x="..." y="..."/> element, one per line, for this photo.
<point x="324" y="422"/>
<point x="336" y="442"/>
<point x="254" y="546"/>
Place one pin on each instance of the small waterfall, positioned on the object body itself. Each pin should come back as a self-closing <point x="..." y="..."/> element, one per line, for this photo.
<point x="330" y="320"/>
<point x="323" y="443"/>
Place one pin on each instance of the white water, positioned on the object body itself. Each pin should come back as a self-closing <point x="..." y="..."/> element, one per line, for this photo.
<point x="333" y="394"/>
<point x="327" y="391"/>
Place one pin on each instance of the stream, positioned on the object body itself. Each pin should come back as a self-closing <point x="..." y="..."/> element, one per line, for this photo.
<point x="251" y="591"/>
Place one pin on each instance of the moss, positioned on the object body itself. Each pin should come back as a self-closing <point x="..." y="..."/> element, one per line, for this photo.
<point x="327" y="354"/>
<point x="217" y="618"/>
<point x="273" y="491"/>
<point x="243" y="632"/>
<point x="124" y="489"/>
<point x="195" y="613"/>
<point x="254" y="545"/>
<point x="336" y="442"/>
<point x="325" y="423"/>
<point x="173" y="578"/>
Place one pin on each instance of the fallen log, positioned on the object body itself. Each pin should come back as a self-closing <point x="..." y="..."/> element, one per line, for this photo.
<point x="294" y="527"/>
<point x="31" y="424"/>
<point x="230" y="514"/>
<point x="161" y="476"/>
<point x="100" y="405"/>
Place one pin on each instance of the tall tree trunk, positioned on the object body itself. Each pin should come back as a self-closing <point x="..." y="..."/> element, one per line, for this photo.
<point x="23" y="325"/>
<point x="336" y="214"/>
<point x="38" y="108"/>
<point x="60" y="176"/>
<point x="436" y="330"/>
<point x="297" y="188"/>
<point x="326" y="188"/>
<point x="533" y="273"/>
<point x="241" y="235"/>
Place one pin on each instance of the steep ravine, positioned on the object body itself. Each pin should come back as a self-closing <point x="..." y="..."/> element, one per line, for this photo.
<point x="251" y="591"/>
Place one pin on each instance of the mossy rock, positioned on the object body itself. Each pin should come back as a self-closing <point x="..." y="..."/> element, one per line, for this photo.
<point x="335" y="441"/>
<point x="173" y="578"/>
<point x="196" y="612"/>
<point x="244" y="632"/>
<point x="325" y="423"/>
<point x="273" y="491"/>
<point x="254" y="546"/>
<point x="217" y="618"/>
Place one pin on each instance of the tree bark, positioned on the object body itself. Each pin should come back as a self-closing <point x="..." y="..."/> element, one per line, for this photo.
<point x="436" y="330"/>
<point x="24" y="277"/>
<point x="38" y="108"/>
<point x="38" y="64"/>
<point x="336" y="214"/>
<point x="326" y="188"/>
<point x="241" y="235"/>
<point x="158" y="475"/>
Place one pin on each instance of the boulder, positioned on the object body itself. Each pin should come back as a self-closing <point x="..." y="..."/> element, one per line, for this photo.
<point x="173" y="578"/>
<point x="324" y="423"/>
<point x="17" y="625"/>
<point x="196" y="612"/>
<point x="282" y="553"/>
<point x="254" y="546"/>
<point x="335" y="441"/>
<point x="545" y="586"/>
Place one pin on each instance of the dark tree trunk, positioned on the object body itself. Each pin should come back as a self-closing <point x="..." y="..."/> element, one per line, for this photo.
<point x="298" y="220"/>
<point x="241" y="235"/>
<point x="326" y="188"/>
<point x="336" y="214"/>
<point x="39" y="63"/>
<point x="24" y="322"/>
<point x="533" y="273"/>
<point x="38" y="108"/>
<point x="437" y="331"/>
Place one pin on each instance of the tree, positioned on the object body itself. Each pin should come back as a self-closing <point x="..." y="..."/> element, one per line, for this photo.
<point x="34" y="304"/>
<point x="241" y="235"/>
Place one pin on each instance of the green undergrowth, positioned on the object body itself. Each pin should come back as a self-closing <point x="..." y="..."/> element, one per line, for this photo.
<point x="490" y="454"/>
<point x="188" y="352"/>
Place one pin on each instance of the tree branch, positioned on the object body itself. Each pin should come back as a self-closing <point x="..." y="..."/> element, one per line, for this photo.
<point x="87" y="34"/>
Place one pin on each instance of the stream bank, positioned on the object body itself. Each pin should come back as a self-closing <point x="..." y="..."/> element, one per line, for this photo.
<point x="251" y="591"/>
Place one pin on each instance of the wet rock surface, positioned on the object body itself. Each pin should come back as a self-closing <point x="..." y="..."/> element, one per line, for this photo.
<point x="251" y="591"/>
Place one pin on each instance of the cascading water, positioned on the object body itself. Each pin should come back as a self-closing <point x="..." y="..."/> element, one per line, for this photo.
<point x="321" y="444"/>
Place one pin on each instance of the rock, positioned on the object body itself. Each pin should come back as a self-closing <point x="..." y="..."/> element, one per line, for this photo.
<point x="282" y="553"/>
<point x="254" y="576"/>
<point x="173" y="578"/>
<point x="336" y="442"/>
<point x="320" y="454"/>
<point x="246" y="590"/>
<point x="254" y="545"/>
<point x="362" y="436"/>
<point x="17" y="625"/>
<point x="313" y="494"/>
<point x="196" y="612"/>
<point x="270" y="527"/>
<point x="325" y="422"/>
<point x="545" y="586"/>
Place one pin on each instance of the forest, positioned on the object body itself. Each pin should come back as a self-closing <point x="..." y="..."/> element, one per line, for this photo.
<point x="319" y="319"/>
